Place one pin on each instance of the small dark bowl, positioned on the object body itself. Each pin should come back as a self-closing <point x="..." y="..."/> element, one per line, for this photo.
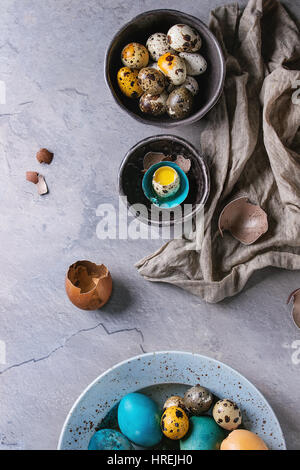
<point x="138" y="30"/>
<point x="131" y="176"/>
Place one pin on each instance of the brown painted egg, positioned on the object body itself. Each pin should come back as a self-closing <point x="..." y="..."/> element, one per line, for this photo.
<point x="135" y="56"/>
<point x="128" y="82"/>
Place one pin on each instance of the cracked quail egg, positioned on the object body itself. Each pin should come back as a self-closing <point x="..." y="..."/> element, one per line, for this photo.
<point x="135" y="56"/>
<point x="180" y="103"/>
<point x="195" y="63"/>
<point x="128" y="82"/>
<point x="191" y="84"/>
<point x="227" y="414"/>
<point x="157" y="45"/>
<point x="151" y="80"/>
<point x="154" y="104"/>
<point x="173" y="67"/>
<point x="182" y="37"/>
<point x="197" y="400"/>
<point x="165" y="181"/>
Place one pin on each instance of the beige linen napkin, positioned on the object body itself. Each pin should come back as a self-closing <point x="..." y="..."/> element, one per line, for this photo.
<point x="253" y="139"/>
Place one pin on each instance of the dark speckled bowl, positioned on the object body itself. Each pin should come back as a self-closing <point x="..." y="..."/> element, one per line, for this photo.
<point x="138" y="30"/>
<point x="131" y="176"/>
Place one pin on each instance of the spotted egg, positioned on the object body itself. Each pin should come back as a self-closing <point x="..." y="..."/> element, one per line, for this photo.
<point x="191" y="84"/>
<point x="173" y="67"/>
<point x="198" y="400"/>
<point x="227" y="414"/>
<point x="175" y="400"/>
<point x="154" y="104"/>
<point x="135" y="56"/>
<point x="128" y="82"/>
<point x="180" y="103"/>
<point x="151" y="80"/>
<point x="174" y="423"/>
<point x="195" y="63"/>
<point x="157" y="45"/>
<point x="182" y="37"/>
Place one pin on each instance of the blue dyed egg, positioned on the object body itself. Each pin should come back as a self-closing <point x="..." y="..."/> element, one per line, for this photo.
<point x="139" y="419"/>
<point x="109" y="439"/>
<point x="204" y="434"/>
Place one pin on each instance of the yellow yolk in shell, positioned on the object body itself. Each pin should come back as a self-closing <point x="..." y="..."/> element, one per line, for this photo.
<point x="164" y="175"/>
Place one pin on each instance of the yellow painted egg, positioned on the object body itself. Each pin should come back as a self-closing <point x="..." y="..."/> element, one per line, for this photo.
<point x="174" y="423"/>
<point x="135" y="56"/>
<point x="128" y="82"/>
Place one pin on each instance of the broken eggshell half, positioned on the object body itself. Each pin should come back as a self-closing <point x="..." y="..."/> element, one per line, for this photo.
<point x="88" y="285"/>
<point x="295" y="295"/>
<point x="245" y="221"/>
<point x="151" y="158"/>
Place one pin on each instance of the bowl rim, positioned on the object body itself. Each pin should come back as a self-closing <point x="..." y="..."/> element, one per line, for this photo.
<point x="161" y="353"/>
<point x="205" y="170"/>
<point x="181" y="173"/>
<point x="193" y="117"/>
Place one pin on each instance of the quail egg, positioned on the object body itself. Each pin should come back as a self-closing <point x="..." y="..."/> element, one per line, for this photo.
<point x="157" y="45"/>
<point x="154" y="104"/>
<point x="151" y="80"/>
<point x="135" y="56"/>
<point x="153" y="65"/>
<point x="195" y="63"/>
<point x="227" y="414"/>
<point x="174" y="401"/>
<point x="128" y="82"/>
<point x="198" y="400"/>
<point x="180" y="103"/>
<point x="165" y="181"/>
<point x="174" y="423"/>
<point x="173" y="67"/>
<point x="191" y="84"/>
<point x="182" y="37"/>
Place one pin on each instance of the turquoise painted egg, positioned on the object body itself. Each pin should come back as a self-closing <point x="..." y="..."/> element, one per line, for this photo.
<point x="139" y="419"/>
<point x="204" y="434"/>
<point x="109" y="439"/>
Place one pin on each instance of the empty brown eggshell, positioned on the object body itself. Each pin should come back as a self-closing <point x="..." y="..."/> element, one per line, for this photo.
<point x="295" y="295"/>
<point x="183" y="163"/>
<point x="32" y="177"/>
<point x="151" y="158"/>
<point x="245" y="221"/>
<point x="88" y="285"/>
<point x="44" y="156"/>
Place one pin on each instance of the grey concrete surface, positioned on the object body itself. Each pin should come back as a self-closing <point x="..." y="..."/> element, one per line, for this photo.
<point x="51" y="59"/>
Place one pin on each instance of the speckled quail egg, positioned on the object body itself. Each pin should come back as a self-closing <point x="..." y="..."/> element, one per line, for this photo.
<point x="165" y="181"/>
<point x="197" y="400"/>
<point x="154" y="104"/>
<point x="227" y="414"/>
<point x="180" y="103"/>
<point x="175" y="400"/>
<point x="128" y="82"/>
<point x="182" y="37"/>
<point x="191" y="84"/>
<point x="157" y="45"/>
<point x="173" y="67"/>
<point x="135" y="56"/>
<point x="151" y="80"/>
<point x="195" y="63"/>
<point x="174" y="423"/>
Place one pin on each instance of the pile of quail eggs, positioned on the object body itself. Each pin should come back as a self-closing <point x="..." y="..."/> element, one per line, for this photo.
<point x="168" y="83"/>
<point x="195" y="421"/>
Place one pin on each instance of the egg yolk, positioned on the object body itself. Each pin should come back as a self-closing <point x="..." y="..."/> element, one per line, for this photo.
<point x="164" y="175"/>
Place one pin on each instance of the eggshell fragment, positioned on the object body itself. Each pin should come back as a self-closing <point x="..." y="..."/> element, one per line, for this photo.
<point x="44" y="156"/>
<point x="32" y="177"/>
<point x="295" y="295"/>
<point x="183" y="163"/>
<point x="88" y="285"/>
<point x="151" y="158"/>
<point x="245" y="221"/>
<point x="41" y="185"/>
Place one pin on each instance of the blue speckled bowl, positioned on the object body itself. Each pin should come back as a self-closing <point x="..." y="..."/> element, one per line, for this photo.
<point x="160" y="375"/>
<point x="169" y="202"/>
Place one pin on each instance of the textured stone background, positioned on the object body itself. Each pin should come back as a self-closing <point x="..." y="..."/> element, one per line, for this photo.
<point x="51" y="58"/>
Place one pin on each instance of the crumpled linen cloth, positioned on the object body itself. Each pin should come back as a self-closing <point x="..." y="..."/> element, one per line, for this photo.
<point x="253" y="139"/>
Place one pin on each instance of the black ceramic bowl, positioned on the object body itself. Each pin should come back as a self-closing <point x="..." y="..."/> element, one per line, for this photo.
<point x="131" y="175"/>
<point x="138" y="30"/>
